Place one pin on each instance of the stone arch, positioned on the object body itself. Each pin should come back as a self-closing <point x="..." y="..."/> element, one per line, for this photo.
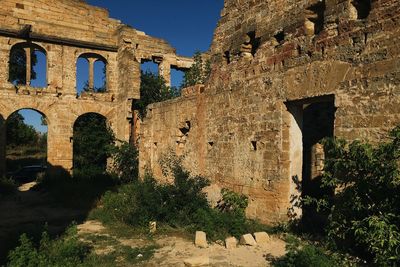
<point x="92" y="83"/>
<point x="22" y="60"/>
<point x="91" y="130"/>
<point x="37" y="152"/>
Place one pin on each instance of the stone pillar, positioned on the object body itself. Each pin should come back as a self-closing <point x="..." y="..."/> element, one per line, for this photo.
<point x="28" y="65"/>
<point x="91" y="73"/>
<point x="164" y="70"/>
<point x="3" y="143"/>
<point x="60" y="148"/>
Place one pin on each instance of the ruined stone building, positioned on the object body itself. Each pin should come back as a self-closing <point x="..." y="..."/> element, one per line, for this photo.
<point x="285" y="74"/>
<point x="65" y="31"/>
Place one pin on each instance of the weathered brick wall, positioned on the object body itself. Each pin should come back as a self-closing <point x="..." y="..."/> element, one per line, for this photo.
<point x="270" y="61"/>
<point x="64" y="30"/>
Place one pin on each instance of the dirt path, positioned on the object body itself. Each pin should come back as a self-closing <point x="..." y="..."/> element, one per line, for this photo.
<point x="174" y="251"/>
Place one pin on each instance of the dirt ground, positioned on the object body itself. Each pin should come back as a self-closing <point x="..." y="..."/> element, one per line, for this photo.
<point x="31" y="208"/>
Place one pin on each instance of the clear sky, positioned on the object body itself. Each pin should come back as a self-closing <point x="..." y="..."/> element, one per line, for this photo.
<point x="188" y="25"/>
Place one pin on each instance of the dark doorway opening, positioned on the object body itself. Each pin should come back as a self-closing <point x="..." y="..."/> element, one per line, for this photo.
<point x="313" y="120"/>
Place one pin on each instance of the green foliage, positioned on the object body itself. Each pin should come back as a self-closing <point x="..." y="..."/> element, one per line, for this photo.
<point x="198" y="73"/>
<point x="126" y="162"/>
<point x="66" y="251"/>
<point x="232" y="201"/>
<point x="18" y="133"/>
<point x="152" y="89"/>
<point x="17" y="73"/>
<point x="93" y="142"/>
<point x="364" y="213"/>
<point x="305" y="256"/>
<point x="181" y="203"/>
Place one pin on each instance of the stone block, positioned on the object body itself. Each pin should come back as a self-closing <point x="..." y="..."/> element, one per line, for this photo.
<point x="200" y="239"/>
<point x="231" y="242"/>
<point x="247" y="240"/>
<point x="262" y="238"/>
<point x="197" y="261"/>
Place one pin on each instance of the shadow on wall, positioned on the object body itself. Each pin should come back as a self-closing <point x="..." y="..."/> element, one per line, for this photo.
<point x="54" y="203"/>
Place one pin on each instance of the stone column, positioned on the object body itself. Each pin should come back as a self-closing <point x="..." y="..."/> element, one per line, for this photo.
<point x="60" y="148"/>
<point x="3" y="143"/>
<point x="91" y="73"/>
<point x="28" y="65"/>
<point x="164" y="70"/>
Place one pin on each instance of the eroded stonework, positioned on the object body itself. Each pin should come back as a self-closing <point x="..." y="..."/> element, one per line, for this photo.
<point x="285" y="74"/>
<point x="65" y="30"/>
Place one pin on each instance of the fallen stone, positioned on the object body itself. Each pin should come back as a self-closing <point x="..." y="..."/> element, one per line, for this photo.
<point x="231" y="242"/>
<point x="262" y="238"/>
<point x="219" y="242"/>
<point x="200" y="240"/>
<point x="247" y="240"/>
<point x="197" y="261"/>
<point x="152" y="227"/>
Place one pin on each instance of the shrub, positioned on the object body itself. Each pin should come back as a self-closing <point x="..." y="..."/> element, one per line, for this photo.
<point x="306" y="256"/>
<point x="66" y="251"/>
<point x="364" y="213"/>
<point x="126" y="163"/>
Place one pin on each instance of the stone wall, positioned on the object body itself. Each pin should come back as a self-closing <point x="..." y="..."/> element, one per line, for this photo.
<point x="65" y="30"/>
<point x="271" y="61"/>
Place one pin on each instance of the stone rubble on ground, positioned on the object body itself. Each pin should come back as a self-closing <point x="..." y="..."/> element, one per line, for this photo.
<point x="262" y="238"/>
<point x="247" y="240"/>
<point x="231" y="242"/>
<point x="197" y="261"/>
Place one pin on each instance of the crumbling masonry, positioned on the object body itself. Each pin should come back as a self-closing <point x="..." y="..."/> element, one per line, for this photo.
<point x="65" y="30"/>
<point x="285" y="74"/>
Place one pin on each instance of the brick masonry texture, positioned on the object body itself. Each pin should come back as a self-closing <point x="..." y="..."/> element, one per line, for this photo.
<point x="284" y="75"/>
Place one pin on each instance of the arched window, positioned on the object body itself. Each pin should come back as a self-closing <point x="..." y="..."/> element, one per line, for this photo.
<point x="91" y="74"/>
<point x="28" y="65"/>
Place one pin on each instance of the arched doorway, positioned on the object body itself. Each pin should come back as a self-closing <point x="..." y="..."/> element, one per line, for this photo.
<point x="26" y="144"/>
<point x="93" y="139"/>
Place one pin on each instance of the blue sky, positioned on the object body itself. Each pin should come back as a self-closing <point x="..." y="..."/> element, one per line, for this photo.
<point x="188" y="25"/>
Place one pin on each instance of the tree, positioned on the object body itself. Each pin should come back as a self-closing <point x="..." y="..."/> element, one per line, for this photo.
<point x="152" y="89"/>
<point x="17" y="71"/>
<point x="18" y="133"/>
<point x="198" y="73"/>
<point x="93" y="142"/>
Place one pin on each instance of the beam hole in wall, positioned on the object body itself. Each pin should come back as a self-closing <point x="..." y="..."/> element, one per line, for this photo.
<point x="26" y="145"/>
<point x="279" y="37"/>
<point x="360" y="9"/>
<point x="28" y="65"/>
<point x="186" y="128"/>
<point x="314" y="23"/>
<point x="254" y="145"/>
<point x="92" y="137"/>
<point x="227" y="57"/>
<point x="20" y="6"/>
<point x="210" y="144"/>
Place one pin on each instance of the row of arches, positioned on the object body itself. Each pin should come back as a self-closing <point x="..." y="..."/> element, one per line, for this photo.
<point x="26" y="134"/>
<point x="28" y="66"/>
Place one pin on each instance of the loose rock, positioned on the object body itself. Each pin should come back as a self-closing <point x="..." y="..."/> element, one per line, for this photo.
<point x="247" y="240"/>
<point x="262" y="238"/>
<point x="197" y="261"/>
<point x="231" y="242"/>
<point x="201" y="240"/>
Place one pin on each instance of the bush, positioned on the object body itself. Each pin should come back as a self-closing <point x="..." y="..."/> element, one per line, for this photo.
<point x="306" y="256"/>
<point x="364" y="213"/>
<point x="66" y="251"/>
<point x="179" y="204"/>
<point x="126" y="163"/>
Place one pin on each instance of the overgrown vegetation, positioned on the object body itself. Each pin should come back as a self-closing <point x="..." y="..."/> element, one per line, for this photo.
<point x="364" y="211"/>
<point x="152" y="89"/>
<point x="198" y="73"/>
<point x="181" y="203"/>
<point x="7" y="186"/>
<point x="70" y="250"/>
